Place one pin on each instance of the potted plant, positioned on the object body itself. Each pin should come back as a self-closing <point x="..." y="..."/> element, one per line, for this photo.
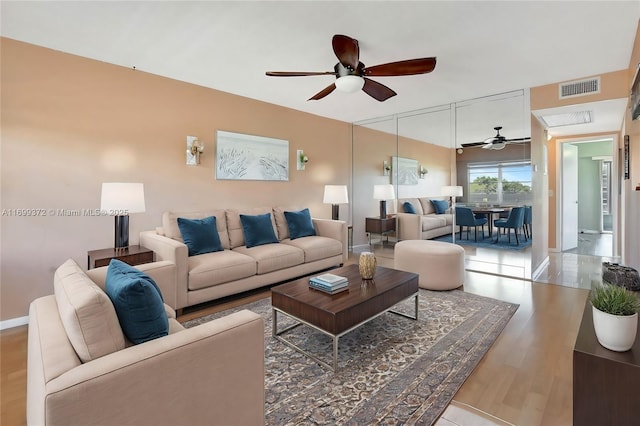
<point x="615" y="316"/>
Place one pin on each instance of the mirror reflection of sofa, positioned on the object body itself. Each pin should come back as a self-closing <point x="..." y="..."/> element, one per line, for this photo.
<point x="426" y="222"/>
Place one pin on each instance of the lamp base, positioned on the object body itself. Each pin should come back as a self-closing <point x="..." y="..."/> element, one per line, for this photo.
<point x="383" y="209"/>
<point x="122" y="232"/>
<point x="335" y="211"/>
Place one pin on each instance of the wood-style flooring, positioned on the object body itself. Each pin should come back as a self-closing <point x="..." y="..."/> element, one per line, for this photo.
<point x="524" y="379"/>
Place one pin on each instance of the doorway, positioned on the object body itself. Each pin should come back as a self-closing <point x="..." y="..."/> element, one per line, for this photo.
<point x="587" y="206"/>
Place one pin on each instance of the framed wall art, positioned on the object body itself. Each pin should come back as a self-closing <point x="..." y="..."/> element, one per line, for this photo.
<point x="249" y="157"/>
<point x="404" y="171"/>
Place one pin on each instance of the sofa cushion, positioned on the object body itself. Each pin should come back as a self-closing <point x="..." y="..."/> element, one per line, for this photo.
<point x="433" y="222"/>
<point x="258" y="230"/>
<point x="171" y="229"/>
<point x="316" y="247"/>
<point x="200" y="235"/>
<point x="138" y="302"/>
<point x="408" y="207"/>
<point x="440" y="206"/>
<point x="273" y="257"/>
<point x="427" y="206"/>
<point x="211" y="269"/>
<point x="234" y="224"/>
<point x="299" y="224"/>
<point x="415" y="203"/>
<point x="87" y="314"/>
<point x="282" y="228"/>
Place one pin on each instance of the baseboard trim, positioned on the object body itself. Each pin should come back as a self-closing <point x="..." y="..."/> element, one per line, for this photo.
<point x="13" y="322"/>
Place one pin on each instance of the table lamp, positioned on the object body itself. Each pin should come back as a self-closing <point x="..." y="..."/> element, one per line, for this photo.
<point x="383" y="193"/>
<point x="335" y="195"/>
<point x="120" y="199"/>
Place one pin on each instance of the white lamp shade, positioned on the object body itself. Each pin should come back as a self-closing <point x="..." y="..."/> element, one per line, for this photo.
<point x="335" y="194"/>
<point x="452" y="191"/>
<point x="383" y="192"/>
<point x="349" y="83"/>
<point x="120" y="199"/>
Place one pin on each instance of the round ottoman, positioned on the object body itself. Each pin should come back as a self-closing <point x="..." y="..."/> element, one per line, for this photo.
<point x="440" y="265"/>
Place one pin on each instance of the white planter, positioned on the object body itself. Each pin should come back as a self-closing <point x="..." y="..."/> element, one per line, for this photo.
<point x="614" y="332"/>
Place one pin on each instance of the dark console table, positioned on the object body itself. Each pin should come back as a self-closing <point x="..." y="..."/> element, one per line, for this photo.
<point x="606" y="384"/>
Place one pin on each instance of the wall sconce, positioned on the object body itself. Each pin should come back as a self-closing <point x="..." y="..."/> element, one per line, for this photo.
<point x="423" y="171"/>
<point x="194" y="149"/>
<point x="459" y="151"/>
<point x="386" y="168"/>
<point x="302" y="160"/>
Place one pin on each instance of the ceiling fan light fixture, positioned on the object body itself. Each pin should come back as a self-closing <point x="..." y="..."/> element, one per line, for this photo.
<point x="349" y="83"/>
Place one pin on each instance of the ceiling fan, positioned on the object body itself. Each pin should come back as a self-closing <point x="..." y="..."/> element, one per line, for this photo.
<point x="496" y="142"/>
<point x="352" y="75"/>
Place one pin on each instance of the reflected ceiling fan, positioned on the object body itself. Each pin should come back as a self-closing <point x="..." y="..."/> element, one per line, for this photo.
<point x="496" y="142"/>
<point x="352" y="75"/>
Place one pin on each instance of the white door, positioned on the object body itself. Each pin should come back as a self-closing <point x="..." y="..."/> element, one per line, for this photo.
<point x="569" y="225"/>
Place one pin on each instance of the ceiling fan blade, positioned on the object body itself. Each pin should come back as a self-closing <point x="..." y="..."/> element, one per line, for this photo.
<point x="347" y="50"/>
<point x="519" y="140"/>
<point x="471" y="144"/>
<point x="324" y="92"/>
<point x="377" y="91"/>
<point x="297" y="73"/>
<point x="408" y="67"/>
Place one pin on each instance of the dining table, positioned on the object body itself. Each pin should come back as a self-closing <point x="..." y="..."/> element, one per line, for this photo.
<point x="490" y="212"/>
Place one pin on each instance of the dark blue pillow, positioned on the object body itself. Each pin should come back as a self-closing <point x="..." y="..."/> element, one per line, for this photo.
<point x="408" y="207"/>
<point x="200" y="235"/>
<point x="138" y="302"/>
<point x="258" y="230"/>
<point x="299" y="224"/>
<point x="440" y="206"/>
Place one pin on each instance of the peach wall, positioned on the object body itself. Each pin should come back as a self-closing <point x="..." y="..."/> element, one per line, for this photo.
<point x="612" y="86"/>
<point x="71" y="123"/>
<point x="631" y="195"/>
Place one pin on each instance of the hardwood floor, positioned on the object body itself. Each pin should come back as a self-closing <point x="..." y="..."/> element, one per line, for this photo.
<point x="524" y="379"/>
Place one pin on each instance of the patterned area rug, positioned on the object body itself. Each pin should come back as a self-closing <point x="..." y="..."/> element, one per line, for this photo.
<point x="488" y="242"/>
<point x="391" y="370"/>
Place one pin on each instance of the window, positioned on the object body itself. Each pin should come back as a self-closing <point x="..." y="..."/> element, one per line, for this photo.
<point x="500" y="183"/>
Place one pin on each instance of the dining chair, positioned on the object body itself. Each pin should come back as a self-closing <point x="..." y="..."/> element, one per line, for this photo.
<point x="465" y="217"/>
<point x="526" y="227"/>
<point x="515" y="221"/>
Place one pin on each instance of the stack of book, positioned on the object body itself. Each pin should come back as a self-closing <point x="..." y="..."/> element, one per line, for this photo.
<point x="329" y="283"/>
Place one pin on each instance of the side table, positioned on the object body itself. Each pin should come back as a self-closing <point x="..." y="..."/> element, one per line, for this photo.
<point x="133" y="255"/>
<point x="382" y="226"/>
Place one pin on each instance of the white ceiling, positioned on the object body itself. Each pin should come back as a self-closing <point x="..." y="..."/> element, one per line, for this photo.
<point x="482" y="47"/>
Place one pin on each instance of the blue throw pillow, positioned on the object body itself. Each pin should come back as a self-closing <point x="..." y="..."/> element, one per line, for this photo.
<point x="299" y="224"/>
<point x="258" y="230"/>
<point x="408" y="207"/>
<point x="440" y="206"/>
<point x="200" y="235"/>
<point x="138" y="302"/>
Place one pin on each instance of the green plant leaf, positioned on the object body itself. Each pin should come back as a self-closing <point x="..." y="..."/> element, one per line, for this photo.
<point x="615" y="300"/>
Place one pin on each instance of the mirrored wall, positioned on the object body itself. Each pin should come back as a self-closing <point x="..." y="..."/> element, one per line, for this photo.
<point x="419" y="152"/>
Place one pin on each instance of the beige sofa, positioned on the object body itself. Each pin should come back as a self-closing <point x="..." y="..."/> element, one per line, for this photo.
<point x="210" y="276"/>
<point x="425" y="223"/>
<point x="82" y="371"/>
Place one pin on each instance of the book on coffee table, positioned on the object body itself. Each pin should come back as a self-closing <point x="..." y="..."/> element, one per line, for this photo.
<point x="330" y="279"/>
<point x="331" y="290"/>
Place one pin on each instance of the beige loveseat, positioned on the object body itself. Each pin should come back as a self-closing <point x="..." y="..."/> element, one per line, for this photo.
<point x="210" y="276"/>
<point x="425" y="223"/>
<point x="81" y="370"/>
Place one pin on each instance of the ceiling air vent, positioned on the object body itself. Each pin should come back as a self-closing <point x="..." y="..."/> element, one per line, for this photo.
<point x="579" y="88"/>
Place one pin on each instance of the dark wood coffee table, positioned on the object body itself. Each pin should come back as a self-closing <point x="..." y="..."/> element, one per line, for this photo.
<point x="338" y="314"/>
